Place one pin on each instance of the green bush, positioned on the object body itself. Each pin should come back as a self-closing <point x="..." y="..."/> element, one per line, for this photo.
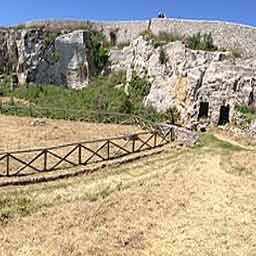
<point x="169" y="37"/>
<point x="50" y="37"/>
<point x="5" y="85"/>
<point x="172" y="115"/>
<point x="162" y="38"/>
<point x="138" y="87"/>
<point x="246" y="109"/>
<point x="202" y="42"/>
<point x="249" y="112"/>
<point x="100" y="50"/>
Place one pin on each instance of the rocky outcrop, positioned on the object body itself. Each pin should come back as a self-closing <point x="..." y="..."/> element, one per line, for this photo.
<point x="68" y="62"/>
<point x="202" y="85"/>
<point x="39" y="56"/>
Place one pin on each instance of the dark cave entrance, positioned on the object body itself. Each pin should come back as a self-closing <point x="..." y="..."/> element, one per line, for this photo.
<point x="113" y="38"/>
<point x="224" y="115"/>
<point x="251" y="99"/>
<point x="203" y="110"/>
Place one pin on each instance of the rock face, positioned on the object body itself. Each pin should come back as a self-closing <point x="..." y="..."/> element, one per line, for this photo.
<point x="202" y="85"/>
<point x="38" y="56"/>
<point x="67" y="63"/>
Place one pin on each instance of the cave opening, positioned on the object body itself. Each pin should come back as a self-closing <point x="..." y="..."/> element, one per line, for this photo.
<point x="224" y="115"/>
<point x="203" y="110"/>
<point x="251" y="99"/>
<point x="113" y="38"/>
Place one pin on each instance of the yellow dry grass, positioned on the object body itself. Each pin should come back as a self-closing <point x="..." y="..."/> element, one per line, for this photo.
<point x="181" y="202"/>
<point x="18" y="132"/>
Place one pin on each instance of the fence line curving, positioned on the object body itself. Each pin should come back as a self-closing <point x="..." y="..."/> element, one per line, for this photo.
<point x="29" y="162"/>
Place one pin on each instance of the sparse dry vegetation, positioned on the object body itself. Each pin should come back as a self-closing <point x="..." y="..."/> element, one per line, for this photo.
<point x="19" y="133"/>
<point x="181" y="202"/>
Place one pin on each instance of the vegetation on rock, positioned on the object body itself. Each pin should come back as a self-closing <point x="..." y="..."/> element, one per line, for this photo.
<point x="202" y="42"/>
<point x="161" y="39"/>
<point x="100" y="50"/>
<point x="138" y="87"/>
<point x="248" y="112"/>
<point x="50" y="37"/>
<point x="100" y="95"/>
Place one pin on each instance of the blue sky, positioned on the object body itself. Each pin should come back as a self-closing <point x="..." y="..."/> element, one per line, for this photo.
<point x="15" y="11"/>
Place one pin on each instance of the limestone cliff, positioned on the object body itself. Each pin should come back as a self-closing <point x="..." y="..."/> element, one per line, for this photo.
<point x="40" y="56"/>
<point x="200" y="84"/>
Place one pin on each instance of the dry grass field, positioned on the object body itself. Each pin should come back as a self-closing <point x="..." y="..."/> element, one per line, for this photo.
<point x="198" y="201"/>
<point x="18" y="132"/>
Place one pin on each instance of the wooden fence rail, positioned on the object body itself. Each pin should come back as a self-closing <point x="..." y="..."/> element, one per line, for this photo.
<point x="27" y="162"/>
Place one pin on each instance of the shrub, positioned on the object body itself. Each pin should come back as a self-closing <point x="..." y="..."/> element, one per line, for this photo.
<point x="169" y="37"/>
<point x="201" y="42"/>
<point x="100" y="50"/>
<point x="162" y="38"/>
<point x="138" y="87"/>
<point x="249" y="112"/>
<point x="5" y="86"/>
<point x="50" y="37"/>
<point x="172" y="115"/>
<point x="147" y="35"/>
<point x="101" y="95"/>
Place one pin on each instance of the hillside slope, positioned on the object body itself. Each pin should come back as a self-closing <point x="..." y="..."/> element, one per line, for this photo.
<point x="184" y="202"/>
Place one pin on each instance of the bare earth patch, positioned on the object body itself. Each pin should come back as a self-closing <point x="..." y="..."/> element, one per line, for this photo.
<point x="181" y="202"/>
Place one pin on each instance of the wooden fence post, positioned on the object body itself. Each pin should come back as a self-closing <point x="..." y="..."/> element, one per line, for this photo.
<point x="133" y="144"/>
<point x="45" y="160"/>
<point x="108" y="149"/>
<point x="8" y="165"/>
<point x="79" y="154"/>
<point x="172" y="134"/>
<point x="155" y="139"/>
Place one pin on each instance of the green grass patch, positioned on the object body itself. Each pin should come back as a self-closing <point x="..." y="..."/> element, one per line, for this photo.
<point x="209" y="141"/>
<point x="13" y="203"/>
<point x="249" y="113"/>
<point x="59" y="102"/>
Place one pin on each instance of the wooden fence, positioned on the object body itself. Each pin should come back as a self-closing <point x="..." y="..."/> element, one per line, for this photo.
<point x="27" y="162"/>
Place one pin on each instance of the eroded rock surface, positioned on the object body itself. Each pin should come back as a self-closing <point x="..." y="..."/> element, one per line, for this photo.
<point x="39" y="56"/>
<point x="202" y="85"/>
